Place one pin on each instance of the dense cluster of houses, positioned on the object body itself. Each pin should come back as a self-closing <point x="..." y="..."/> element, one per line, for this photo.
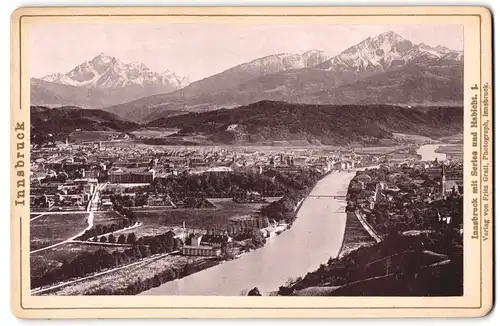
<point x="401" y="188"/>
<point x="55" y="170"/>
<point x="212" y="242"/>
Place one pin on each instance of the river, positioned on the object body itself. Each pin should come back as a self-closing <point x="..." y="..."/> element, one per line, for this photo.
<point x="428" y="152"/>
<point x="316" y="235"/>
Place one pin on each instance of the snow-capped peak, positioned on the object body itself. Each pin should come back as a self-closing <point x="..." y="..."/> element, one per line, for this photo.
<point x="105" y="71"/>
<point x="380" y="53"/>
<point x="52" y="77"/>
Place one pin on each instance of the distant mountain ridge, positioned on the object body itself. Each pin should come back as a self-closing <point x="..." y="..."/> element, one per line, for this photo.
<point x="267" y="122"/>
<point x="109" y="72"/>
<point x="103" y="80"/>
<point x="385" y="51"/>
<point x="385" y="69"/>
<point x="381" y="69"/>
<point x="316" y="124"/>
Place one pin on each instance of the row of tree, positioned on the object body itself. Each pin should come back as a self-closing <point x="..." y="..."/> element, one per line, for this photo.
<point x="88" y="262"/>
<point x="166" y="242"/>
<point x="156" y="280"/>
<point x="297" y="189"/>
<point x="128" y="219"/>
<point x="218" y="185"/>
<point x="121" y="239"/>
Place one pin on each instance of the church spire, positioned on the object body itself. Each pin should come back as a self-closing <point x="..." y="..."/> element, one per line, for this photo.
<point x="443" y="181"/>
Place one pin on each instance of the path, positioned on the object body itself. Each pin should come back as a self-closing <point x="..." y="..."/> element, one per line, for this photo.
<point x="136" y="225"/>
<point x="36" y="217"/>
<point x="368" y="227"/>
<point x="104" y="244"/>
<point x="91" y="207"/>
<point x="146" y="260"/>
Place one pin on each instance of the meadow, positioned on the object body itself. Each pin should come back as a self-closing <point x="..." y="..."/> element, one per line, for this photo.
<point x="107" y="218"/>
<point x="52" y="228"/>
<point x="44" y="261"/>
<point x="156" y="221"/>
<point x="124" y="277"/>
<point x="355" y="235"/>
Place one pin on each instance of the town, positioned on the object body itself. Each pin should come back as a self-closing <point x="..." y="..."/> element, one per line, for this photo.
<point x="177" y="210"/>
<point x="411" y="239"/>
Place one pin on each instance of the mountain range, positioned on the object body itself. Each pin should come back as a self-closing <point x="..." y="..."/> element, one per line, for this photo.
<point x="102" y="81"/>
<point x="266" y="121"/>
<point x="386" y="69"/>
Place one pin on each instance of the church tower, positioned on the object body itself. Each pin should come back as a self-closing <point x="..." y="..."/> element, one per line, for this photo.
<point x="443" y="182"/>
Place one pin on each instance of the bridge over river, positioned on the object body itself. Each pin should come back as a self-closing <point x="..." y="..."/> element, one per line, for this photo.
<point x="301" y="249"/>
<point x="316" y="235"/>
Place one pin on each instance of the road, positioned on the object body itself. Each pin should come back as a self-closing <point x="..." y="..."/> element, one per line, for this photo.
<point x="91" y="207"/>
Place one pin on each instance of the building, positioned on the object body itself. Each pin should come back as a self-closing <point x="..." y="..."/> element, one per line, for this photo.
<point x="122" y="175"/>
<point x="214" y="240"/>
<point x="194" y="247"/>
<point x="205" y="251"/>
<point x="342" y="165"/>
<point x="106" y="205"/>
<point x="449" y="187"/>
<point x="245" y="223"/>
<point x="273" y="229"/>
<point x="220" y="169"/>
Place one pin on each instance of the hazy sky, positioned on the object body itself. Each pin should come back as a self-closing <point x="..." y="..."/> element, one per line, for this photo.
<point x="198" y="51"/>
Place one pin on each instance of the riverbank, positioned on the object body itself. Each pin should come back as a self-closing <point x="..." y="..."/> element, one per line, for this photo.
<point x="417" y="253"/>
<point x="401" y="265"/>
<point x="317" y="216"/>
<point x="159" y="269"/>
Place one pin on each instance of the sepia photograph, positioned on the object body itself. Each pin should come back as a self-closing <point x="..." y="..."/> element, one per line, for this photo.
<point x="249" y="159"/>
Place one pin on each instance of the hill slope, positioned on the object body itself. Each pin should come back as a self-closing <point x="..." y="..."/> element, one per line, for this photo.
<point x="64" y="120"/>
<point x="326" y="124"/>
<point x="217" y="90"/>
<point x="417" y="83"/>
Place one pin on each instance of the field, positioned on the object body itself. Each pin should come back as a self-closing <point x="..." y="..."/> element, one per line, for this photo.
<point x="413" y="138"/>
<point x="107" y="218"/>
<point x="458" y="138"/>
<point x="451" y="149"/>
<point x="43" y="261"/>
<point x="154" y="132"/>
<point x="52" y="228"/>
<point x="377" y="150"/>
<point x="355" y="235"/>
<point x="156" y="221"/>
<point x="88" y="136"/>
<point x="128" y="275"/>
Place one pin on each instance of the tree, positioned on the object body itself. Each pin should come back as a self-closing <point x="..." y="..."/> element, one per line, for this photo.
<point x="254" y="292"/>
<point x="131" y="239"/>
<point x="121" y="239"/>
<point x="136" y="252"/>
<point x="111" y="238"/>
<point x="258" y="239"/>
<point x="145" y="251"/>
<point x="154" y="246"/>
<point x="103" y="239"/>
<point x="188" y="270"/>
